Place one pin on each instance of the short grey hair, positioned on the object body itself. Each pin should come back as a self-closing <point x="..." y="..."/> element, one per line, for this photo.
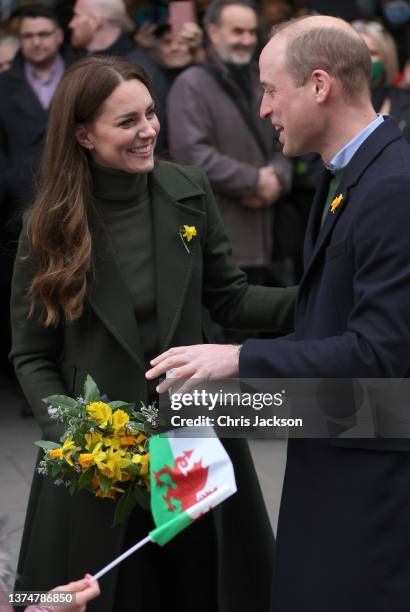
<point x="111" y="10"/>
<point x="343" y="55"/>
<point x="9" y="40"/>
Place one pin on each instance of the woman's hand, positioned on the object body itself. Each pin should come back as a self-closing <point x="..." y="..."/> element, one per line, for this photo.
<point x="84" y="590"/>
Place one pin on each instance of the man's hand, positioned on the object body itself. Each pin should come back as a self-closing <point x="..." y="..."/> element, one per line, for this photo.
<point x="84" y="590"/>
<point x="200" y="361"/>
<point x="269" y="187"/>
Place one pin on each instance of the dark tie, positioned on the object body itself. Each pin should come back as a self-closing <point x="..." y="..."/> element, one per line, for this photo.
<point x="337" y="175"/>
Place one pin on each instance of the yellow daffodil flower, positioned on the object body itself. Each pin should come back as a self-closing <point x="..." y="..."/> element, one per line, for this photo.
<point x="86" y="460"/>
<point x="100" y="412"/>
<point x="68" y="450"/>
<point x="140" y="439"/>
<point x="55" y="453"/>
<point x="113" y="442"/>
<point x="119" y="419"/>
<point x="143" y="460"/>
<point x="114" y="463"/>
<point x="127" y="440"/>
<point x="189" y="232"/>
<point x="92" y="439"/>
<point x="336" y="203"/>
<point x="111" y="493"/>
<point x="96" y="457"/>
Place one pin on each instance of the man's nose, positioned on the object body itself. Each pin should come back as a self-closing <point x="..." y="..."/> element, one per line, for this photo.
<point x="265" y="109"/>
<point x="248" y="39"/>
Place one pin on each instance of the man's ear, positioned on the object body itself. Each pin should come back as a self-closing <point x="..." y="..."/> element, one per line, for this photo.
<point x="96" y="22"/>
<point x="321" y="85"/>
<point x="84" y="137"/>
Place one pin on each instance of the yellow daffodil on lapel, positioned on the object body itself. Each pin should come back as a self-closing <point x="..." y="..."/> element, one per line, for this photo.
<point x="336" y="202"/>
<point x="187" y="232"/>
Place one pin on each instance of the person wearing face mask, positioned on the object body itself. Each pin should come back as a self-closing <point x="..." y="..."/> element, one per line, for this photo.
<point x="102" y="281"/>
<point x="223" y="134"/>
<point x="387" y="98"/>
<point x="396" y="12"/>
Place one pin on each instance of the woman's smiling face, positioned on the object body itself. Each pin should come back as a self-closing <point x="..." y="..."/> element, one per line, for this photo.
<point x="124" y="133"/>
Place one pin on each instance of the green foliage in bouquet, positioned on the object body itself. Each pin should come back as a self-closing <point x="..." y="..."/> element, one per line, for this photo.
<point x="104" y="448"/>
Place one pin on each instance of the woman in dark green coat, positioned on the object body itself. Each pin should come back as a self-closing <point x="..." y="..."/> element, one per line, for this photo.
<point x="102" y="283"/>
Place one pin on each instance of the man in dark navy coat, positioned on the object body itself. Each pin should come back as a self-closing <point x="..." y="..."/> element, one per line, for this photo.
<point x="344" y="526"/>
<point x="26" y="92"/>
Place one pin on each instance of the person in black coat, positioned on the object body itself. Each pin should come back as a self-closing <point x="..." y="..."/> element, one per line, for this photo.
<point x="342" y="541"/>
<point x="26" y="92"/>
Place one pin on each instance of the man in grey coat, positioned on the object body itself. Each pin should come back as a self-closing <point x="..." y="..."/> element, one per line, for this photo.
<point x="213" y="123"/>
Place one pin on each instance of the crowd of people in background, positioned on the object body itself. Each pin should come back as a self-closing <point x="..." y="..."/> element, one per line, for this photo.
<point x="204" y="79"/>
<point x="205" y="84"/>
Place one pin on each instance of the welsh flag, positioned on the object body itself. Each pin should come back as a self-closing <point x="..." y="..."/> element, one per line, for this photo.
<point x="189" y="477"/>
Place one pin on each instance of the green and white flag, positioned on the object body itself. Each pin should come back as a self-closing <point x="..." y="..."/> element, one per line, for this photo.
<point x="189" y="477"/>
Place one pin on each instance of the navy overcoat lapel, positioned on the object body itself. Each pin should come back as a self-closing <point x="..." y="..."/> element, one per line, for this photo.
<point x="386" y="133"/>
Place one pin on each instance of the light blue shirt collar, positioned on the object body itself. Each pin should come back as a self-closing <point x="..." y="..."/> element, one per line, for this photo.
<point x="343" y="157"/>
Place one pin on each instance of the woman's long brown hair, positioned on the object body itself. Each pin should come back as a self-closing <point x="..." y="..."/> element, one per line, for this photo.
<point x="58" y="231"/>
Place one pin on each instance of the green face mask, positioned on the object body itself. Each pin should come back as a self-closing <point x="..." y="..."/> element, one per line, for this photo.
<point x="377" y="71"/>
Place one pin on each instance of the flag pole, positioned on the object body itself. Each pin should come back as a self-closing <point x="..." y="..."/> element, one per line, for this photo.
<point x="124" y="555"/>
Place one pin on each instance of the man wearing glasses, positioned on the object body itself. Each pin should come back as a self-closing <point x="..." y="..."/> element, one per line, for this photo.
<point x="28" y="88"/>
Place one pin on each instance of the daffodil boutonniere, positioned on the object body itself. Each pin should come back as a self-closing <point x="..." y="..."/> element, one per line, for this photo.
<point x="186" y="233"/>
<point x="336" y="202"/>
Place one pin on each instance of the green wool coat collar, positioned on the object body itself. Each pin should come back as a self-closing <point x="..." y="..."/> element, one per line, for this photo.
<point x="172" y="200"/>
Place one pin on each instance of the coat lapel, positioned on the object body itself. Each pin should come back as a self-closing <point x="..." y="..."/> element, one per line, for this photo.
<point x="111" y="300"/>
<point x="315" y="216"/>
<point x="108" y="295"/>
<point x="170" y="194"/>
<point x="386" y="133"/>
<point x="331" y="218"/>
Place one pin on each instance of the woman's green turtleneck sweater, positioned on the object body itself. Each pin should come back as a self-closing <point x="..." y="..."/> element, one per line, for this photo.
<point x="123" y="201"/>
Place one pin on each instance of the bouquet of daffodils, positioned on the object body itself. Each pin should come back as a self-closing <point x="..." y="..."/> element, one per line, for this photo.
<point x="104" y="448"/>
